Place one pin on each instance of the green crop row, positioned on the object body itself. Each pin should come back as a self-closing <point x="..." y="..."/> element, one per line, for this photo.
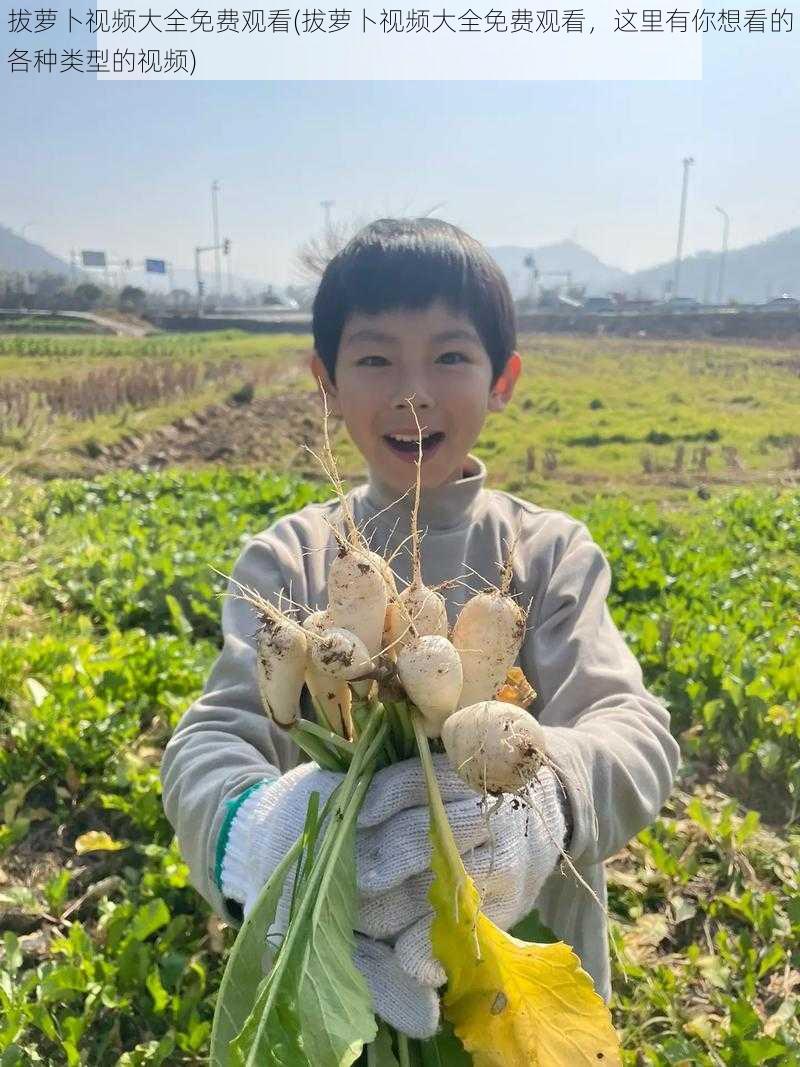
<point x="708" y="602"/>
<point x="111" y="958"/>
<point x="128" y="551"/>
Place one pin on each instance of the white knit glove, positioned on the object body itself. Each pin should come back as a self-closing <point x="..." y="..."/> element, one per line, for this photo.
<point x="509" y="854"/>
<point x="263" y="830"/>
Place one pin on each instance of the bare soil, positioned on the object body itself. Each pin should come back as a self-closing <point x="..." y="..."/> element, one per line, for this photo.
<point x="270" y="431"/>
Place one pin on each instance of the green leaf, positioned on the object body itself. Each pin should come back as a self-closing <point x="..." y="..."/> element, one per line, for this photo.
<point x="56" y="889"/>
<point x="531" y="928"/>
<point x="774" y="955"/>
<point x="315" y="1009"/>
<point x="444" y="1049"/>
<point x="62" y="982"/>
<point x="679" y="1053"/>
<point x="245" y="970"/>
<point x="180" y="623"/>
<point x="380" y="1052"/>
<point x="12" y="956"/>
<point x="149" y="918"/>
<point x="135" y="961"/>
<point x="13" y="1056"/>
<point x="41" y="1018"/>
<point x="157" y="991"/>
<point x="763" y="1049"/>
<point x="152" y="1053"/>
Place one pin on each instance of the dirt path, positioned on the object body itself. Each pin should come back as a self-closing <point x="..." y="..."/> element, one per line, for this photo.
<point x="118" y="324"/>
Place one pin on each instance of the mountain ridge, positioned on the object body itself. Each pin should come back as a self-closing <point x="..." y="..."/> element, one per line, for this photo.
<point x="753" y="273"/>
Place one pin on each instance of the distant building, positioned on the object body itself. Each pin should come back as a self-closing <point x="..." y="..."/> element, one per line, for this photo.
<point x="599" y="303"/>
<point x="635" y="303"/>
<point x="681" y="303"/>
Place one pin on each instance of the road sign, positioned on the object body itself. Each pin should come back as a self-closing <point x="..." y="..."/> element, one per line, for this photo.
<point x="93" y="259"/>
<point x="155" y="266"/>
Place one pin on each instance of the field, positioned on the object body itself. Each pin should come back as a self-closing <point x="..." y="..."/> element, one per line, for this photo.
<point x="653" y="420"/>
<point x="47" y="324"/>
<point x="684" y="462"/>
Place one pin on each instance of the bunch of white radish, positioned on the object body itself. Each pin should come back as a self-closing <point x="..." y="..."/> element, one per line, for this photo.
<point x="389" y="679"/>
<point x="496" y="747"/>
<point x="332" y="648"/>
<point x="370" y="633"/>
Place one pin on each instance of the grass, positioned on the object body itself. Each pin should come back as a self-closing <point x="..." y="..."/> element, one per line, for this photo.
<point x="654" y="420"/>
<point x="111" y="958"/>
<point x="34" y="357"/>
<point x="601" y="405"/>
<point x="49" y="324"/>
<point x="33" y="369"/>
<point x="109" y="624"/>
<point x="597" y="405"/>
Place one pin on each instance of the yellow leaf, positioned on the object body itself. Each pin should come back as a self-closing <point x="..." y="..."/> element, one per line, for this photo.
<point x="512" y="1004"/>
<point x="97" y="841"/>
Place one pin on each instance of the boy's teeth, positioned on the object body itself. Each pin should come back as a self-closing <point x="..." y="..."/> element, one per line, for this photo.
<point x="410" y="443"/>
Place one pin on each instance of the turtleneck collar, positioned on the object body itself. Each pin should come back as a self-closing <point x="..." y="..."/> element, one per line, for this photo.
<point x="445" y="507"/>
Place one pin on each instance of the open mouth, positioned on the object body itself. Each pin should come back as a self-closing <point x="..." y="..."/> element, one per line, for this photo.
<point x="407" y="445"/>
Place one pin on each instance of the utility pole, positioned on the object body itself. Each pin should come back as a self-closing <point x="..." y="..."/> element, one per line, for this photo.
<point x="326" y="206"/>
<point x="226" y="251"/>
<point x="726" y="226"/>
<point x="215" y="216"/>
<point x="199" y="280"/>
<point x="687" y="163"/>
<point x="198" y="273"/>
<point x="530" y="263"/>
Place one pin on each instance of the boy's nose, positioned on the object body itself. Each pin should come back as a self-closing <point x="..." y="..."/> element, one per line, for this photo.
<point x="419" y="396"/>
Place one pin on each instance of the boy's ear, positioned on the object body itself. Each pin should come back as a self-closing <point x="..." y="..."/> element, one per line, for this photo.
<point x="503" y="388"/>
<point x="320" y="373"/>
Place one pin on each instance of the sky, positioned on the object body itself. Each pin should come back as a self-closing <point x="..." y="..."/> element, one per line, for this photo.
<point x="127" y="166"/>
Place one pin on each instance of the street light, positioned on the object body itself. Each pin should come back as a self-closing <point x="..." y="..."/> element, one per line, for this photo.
<point x="726" y="226"/>
<point x="215" y="221"/>
<point x="688" y="162"/>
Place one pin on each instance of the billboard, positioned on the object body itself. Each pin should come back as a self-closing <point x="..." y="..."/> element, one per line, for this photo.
<point x="93" y="259"/>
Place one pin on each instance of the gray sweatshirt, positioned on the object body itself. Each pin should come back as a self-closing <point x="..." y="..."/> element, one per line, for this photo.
<point x="608" y="736"/>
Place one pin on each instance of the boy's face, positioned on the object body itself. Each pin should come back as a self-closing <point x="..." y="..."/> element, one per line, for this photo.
<point x="434" y="356"/>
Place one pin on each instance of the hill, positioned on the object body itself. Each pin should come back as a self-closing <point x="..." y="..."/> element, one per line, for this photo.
<point x="753" y="274"/>
<point x="19" y="254"/>
<point x="585" y="267"/>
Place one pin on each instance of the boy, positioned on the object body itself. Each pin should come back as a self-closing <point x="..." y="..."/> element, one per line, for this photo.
<point x="416" y="308"/>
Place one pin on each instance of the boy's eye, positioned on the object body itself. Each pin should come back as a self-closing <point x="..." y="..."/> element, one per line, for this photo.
<point x="452" y="357"/>
<point x="372" y="361"/>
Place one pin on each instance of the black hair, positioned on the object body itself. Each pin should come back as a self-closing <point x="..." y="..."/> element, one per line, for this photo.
<point x="396" y="264"/>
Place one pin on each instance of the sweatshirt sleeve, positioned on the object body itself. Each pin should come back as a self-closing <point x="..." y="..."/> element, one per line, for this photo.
<point x="607" y="735"/>
<point x="224" y="747"/>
